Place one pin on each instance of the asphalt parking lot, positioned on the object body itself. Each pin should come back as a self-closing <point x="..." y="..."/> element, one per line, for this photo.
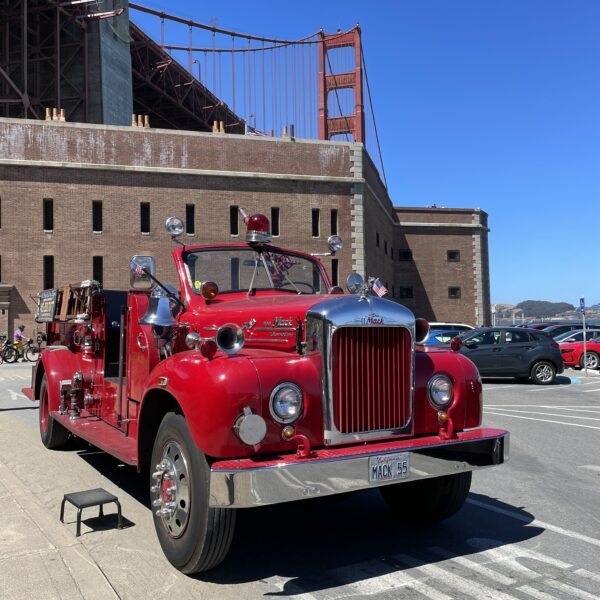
<point x="530" y="528"/>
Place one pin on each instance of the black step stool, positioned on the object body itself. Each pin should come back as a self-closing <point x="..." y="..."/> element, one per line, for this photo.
<point x="81" y="500"/>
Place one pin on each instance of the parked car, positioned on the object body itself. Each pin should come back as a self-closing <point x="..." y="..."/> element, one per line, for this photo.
<point x="577" y="336"/>
<point x="537" y="325"/>
<point x="513" y="352"/>
<point x="555" y="330"/>
<point x="441" y="336"/>
<point x="572" y="354"/>
<point x="458" y="326"/>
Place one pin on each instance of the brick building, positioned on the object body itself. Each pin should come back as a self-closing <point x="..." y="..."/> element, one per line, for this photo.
<point x="77" y="201"/>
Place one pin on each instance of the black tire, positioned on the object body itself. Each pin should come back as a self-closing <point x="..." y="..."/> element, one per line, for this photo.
<point x="52" y="434"/>
<point x="193" y="536"/>
<point x="593" y="360"/>
<point x="31" y="354"/>
<point x="543" y="372"/>
<point x="428" y="500"/>
<point x="10" y="354"/>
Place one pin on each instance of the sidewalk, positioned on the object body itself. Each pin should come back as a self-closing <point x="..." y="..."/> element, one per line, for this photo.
<point x="40" y="557"/>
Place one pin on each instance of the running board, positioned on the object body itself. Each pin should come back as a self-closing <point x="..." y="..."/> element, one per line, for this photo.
<point x="99" y="433"/>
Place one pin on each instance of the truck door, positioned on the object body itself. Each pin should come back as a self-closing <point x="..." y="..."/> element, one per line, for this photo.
<point x="142" y="354"/>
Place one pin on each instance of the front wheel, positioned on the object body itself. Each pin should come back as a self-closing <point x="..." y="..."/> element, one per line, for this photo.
<point x="428" y="500"/>
<point x="543" y="373"/>
<point x="592" y="361"/>
<point x="31" y="354"/>
<point x="193" y="536"/>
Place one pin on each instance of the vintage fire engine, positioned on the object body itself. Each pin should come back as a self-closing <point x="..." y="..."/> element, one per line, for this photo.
<point x="254" y="382"/>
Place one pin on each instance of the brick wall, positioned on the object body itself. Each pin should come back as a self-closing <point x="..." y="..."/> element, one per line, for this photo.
<point x="429" y="233"/>
<point x="76" y="164"/>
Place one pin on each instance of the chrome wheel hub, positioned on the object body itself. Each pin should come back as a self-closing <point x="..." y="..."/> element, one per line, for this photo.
<point x="170" y="491"/>
<point x="544" y="373"/>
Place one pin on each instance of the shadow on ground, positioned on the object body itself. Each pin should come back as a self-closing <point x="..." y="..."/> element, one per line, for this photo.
<point x="305" y="541"/>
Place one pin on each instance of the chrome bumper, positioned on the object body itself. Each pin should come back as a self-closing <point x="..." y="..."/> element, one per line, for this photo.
<point x="248" y="484"/>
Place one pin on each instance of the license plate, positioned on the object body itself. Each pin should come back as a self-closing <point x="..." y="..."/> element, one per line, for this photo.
<point x="388" y="467"/>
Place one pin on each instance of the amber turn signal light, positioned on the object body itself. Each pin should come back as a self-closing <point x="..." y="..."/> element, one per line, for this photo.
<point x="442" y="417"/>
<point x="288" y="432"/>
<point x="210" y="290"/>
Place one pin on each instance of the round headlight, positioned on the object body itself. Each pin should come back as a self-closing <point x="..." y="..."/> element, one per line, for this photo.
<point x="439" y="391"/>
<point x="286" y="403"/>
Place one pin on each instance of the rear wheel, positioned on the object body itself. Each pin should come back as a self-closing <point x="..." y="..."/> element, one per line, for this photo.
<point x="543" y="373"/>
<point x="10" y="354"/>
<point x="52" y="434"/>
<point x="193" y="536"/>
<point x="593" y="360"/>
<point x="428" y="500"/>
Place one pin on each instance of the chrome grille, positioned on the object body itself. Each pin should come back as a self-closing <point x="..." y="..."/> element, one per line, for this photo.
<point x="371" y="371"/>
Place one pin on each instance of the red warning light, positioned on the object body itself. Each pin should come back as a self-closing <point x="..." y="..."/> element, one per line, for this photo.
<point x="258" y="229"/>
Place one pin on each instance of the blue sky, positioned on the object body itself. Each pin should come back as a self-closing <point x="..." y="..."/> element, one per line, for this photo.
<point x="482" y="104"/>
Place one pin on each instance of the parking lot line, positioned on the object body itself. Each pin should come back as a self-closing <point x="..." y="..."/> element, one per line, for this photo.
<point x="535" y="412"/>
<point x="535" y="523"/>
<point x="545" y="388"/>
<point x="588" y="391"/>
<point x="500" y="387"/>
<point x="584" y="408"/>
<point x="505" y="414"/>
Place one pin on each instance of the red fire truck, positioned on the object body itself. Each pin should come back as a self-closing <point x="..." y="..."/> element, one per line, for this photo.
<point x="256" y="381"/>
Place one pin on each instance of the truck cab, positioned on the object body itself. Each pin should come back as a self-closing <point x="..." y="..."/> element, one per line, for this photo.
<point x="256" y="381"/>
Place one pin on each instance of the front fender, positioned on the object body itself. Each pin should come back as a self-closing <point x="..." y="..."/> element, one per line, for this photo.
<point x="212" y="394"/>
<point x="467" y="407"/>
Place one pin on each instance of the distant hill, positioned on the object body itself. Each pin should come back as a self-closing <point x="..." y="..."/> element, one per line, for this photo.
<point x="543" y="309"/>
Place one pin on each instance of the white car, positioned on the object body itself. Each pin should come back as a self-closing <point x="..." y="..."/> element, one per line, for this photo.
<point x="457" y="326"/>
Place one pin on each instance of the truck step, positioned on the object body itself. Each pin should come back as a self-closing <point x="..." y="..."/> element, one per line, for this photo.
<point x="99" y="433"/>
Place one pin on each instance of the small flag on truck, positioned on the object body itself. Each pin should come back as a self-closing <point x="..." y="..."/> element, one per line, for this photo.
<point x="379" y="288"/>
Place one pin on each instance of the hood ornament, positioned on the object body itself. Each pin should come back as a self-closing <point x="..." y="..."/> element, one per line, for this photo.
<point x="357" y="285"/>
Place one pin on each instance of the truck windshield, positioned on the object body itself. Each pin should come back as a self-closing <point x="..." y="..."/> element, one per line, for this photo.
<point x="248" y="269"/>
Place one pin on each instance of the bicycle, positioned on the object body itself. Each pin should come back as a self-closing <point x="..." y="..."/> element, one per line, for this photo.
<point x="11" y="353"/>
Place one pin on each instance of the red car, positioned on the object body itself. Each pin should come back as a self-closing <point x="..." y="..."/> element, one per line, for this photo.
<point x="572" y="354"/>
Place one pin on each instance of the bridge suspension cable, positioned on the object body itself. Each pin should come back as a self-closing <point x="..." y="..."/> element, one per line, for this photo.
<point x="311" y="87"/>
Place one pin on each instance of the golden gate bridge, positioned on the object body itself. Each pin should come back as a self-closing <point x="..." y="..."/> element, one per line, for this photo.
<point x="71" y="55"/>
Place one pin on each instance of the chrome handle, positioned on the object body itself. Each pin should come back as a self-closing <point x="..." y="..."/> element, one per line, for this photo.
<point x="139" y="338"/>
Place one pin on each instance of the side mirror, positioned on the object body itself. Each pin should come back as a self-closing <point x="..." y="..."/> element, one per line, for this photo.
<point x="141" y="271"/>
<point x="335" y="243"/>
<point x="469" y="344"/>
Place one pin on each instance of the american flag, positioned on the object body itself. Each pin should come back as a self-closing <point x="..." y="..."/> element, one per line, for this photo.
<point x="379" y="288"/>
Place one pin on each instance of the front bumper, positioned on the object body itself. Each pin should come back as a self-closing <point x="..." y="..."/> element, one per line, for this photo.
<point x="248" y="482"/>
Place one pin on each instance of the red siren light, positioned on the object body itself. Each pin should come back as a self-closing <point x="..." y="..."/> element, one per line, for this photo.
<point x="258" y="229"/>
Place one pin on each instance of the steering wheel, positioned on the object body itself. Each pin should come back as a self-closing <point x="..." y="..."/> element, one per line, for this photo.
<point x="300" y="283"/>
